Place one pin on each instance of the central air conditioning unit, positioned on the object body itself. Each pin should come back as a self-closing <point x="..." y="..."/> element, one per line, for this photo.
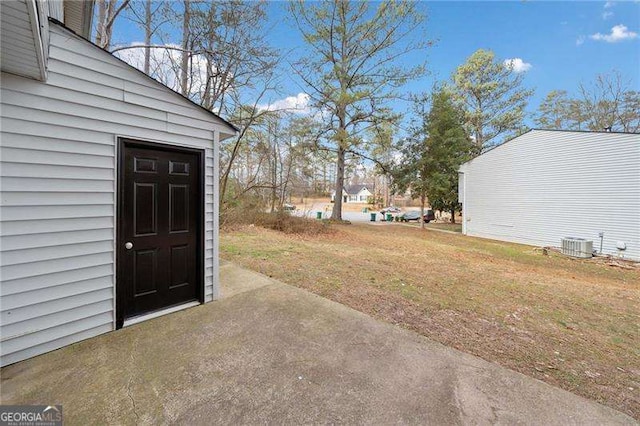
<point x="577" y="247"/>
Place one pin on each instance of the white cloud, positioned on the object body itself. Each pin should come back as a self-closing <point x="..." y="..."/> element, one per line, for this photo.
<point x="618" y="33"/>
<point x="517" y="65"/>
<point x="607" y="14"/>
<point x="580" y="40"/>
<point x="298" y="103"/>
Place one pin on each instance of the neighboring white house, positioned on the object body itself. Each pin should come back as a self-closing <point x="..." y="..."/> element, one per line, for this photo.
<point x="353" y="194"/>
<point x="109" y="186"/>
<point x="545" y="185"/>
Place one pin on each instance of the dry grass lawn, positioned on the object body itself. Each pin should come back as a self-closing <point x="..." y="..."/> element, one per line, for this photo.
<point x="572" y="323"/>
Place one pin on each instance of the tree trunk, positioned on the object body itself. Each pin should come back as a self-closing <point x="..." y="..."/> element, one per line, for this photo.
<point x="423" y="200"/>
<point x="336" y="214"/>
<point x="225" y="175"/>
<point x="106" y="28"/>
<point x="453" y="215"/>
<point x="102" y="18"/>
<point x="373" y="199"/>
<point x="184" y="63"/>
<point x="107" y="14"/>
<point x="274" y="173"/>
<point x="147" y="36"/>
<point x="206" y="96"/>
<point x="324" y="177"/>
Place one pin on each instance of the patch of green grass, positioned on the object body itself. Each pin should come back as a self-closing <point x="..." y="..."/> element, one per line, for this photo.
<point x="405" y="289"/>
<point x="231" y="249"/>
<point x="257" y="252"/>
<point x="454" y="227"/>
<point x="570" y="378"/>
<point x="617" y="340"/>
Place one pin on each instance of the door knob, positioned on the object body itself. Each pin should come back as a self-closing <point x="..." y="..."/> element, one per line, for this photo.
<point x="128" y="245"/>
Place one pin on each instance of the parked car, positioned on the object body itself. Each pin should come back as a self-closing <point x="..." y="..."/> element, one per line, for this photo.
<point x="415" y="215"/>
<point x="409" y="216"/>
<point x="429" y="215"/>
<point x="390" y="209"/>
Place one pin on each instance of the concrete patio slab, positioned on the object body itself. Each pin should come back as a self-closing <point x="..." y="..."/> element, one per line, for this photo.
<point x="271" y="353"/>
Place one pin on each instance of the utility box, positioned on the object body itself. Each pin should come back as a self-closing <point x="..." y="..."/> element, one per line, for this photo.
<point x="577" y="247"/>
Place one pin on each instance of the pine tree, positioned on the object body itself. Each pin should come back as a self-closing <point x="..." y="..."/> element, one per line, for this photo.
<point x="493" y="97"/>
<point x="449" y="146"/>
<point x="352" y="67"/>
<point x="431" y="158"/>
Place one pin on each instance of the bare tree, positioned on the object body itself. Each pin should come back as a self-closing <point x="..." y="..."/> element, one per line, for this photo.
<point x="150" y="15"/>
<point x="108" y="11"/>
<point x="629" y="115"/>
<point x="247" y="118"/>
<point x="230" y="37"/>
<point x="608" y="103"/>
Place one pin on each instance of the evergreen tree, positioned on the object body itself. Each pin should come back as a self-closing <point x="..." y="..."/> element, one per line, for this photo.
<point x="491" y="93"/>
<point x="555" y="111"/>
<point x="431" y="158"/>
<point x="449" y="146"/>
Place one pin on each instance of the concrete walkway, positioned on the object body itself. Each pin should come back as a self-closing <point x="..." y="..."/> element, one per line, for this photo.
<point x="271" y="353"/>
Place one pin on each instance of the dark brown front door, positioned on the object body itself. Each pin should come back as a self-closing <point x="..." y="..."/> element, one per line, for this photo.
<point x="159" y="255"/>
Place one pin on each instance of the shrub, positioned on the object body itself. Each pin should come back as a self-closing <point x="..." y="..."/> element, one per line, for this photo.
<point x="280" y="221"/>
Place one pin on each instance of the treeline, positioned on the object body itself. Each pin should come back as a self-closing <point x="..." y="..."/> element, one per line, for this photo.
<point x="351" y="71"/>
<point x="608" y="103"/>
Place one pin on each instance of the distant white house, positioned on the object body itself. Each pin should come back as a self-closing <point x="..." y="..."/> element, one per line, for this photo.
<point x="545" y="185"/>
<point x="353" y="194"/>
<point x="109" y="186"/>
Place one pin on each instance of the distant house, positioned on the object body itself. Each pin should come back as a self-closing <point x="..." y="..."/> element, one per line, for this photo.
<point x="545" y="185"/>
<point x="354" y="194"/>
<point x="109" y="186"/>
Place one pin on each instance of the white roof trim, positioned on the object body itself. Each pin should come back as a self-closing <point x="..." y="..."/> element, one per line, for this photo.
<point x="37" y="21"/>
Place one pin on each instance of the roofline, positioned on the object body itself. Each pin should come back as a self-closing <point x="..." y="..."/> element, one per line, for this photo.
<point x="234" y="128"/>
<point x="583" y="131"/>
<point x="548" y="130"/>
<point x="363" y="186"/>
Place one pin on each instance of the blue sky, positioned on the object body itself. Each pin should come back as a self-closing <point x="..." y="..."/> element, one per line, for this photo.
<point x="564" y="43"/>
<point x="551" y="36"/>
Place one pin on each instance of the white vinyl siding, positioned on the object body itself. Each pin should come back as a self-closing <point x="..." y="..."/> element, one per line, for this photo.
<point x="58" y="167"/>
<point x="22" y="50"/>
<point x="364" y="194"/>
<point x="545" y="185"/>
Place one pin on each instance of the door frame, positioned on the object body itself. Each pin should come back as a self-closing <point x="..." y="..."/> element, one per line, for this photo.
<point x="120" y="240"/>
